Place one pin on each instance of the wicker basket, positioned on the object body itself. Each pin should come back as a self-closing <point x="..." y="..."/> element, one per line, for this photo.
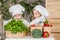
<point x="19" y="35"/>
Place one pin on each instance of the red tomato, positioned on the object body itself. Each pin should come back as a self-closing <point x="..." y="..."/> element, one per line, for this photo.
<point x="33" y="25"/>
<point x="45" y="34"/>
<point x="45" y="24"/>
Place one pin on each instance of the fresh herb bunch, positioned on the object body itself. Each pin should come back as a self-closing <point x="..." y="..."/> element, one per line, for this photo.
<point x="16" y="26"/>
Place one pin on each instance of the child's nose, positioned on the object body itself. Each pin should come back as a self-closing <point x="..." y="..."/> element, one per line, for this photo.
<point x="17" y="17"/>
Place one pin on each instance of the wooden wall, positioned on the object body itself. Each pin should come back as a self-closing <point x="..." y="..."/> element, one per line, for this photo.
<point x="53" y="6"/>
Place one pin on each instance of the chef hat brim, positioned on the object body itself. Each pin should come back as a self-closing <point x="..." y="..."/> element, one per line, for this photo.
<point x="42" y="10"/>
<point x="16" y="9"/>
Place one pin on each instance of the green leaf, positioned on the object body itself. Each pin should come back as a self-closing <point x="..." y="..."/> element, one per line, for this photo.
<point x="46" y="21"/>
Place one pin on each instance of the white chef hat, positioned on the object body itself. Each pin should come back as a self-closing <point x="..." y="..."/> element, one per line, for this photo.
<point x="42" y="10"/>
<point x="16" y="9"/>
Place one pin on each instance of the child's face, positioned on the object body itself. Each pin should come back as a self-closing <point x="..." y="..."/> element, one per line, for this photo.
<point x="17" y="16"/>
<point x="36" y="14"/>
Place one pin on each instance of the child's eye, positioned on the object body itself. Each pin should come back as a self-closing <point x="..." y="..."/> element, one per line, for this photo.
<point x="32" y="14"/>
<point x="14" y="15"/>
<point x="18" y="15"/>
<point x="35" y="14"/>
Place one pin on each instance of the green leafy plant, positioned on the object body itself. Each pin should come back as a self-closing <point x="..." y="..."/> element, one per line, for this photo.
<point x="16" y="26"/>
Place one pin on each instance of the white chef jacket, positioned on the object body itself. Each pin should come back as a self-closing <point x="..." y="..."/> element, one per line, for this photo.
<point x="39" y="20"/>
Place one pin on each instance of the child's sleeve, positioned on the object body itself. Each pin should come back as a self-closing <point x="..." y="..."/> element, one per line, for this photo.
<point x="6" y="21"/>
<point x="42" y="19"/>
<point x="26" y="22"/>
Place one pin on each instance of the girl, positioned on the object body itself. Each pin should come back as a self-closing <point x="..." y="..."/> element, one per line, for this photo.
<point x="39" y="14"/>
<point x="17" y="11"/>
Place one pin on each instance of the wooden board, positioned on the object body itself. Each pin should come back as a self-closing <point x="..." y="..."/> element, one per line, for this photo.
<point x="53" y="0"/>
<point x="56" y="24"/>
<point x="53" y="6"/>
<point x="54" y="20"/>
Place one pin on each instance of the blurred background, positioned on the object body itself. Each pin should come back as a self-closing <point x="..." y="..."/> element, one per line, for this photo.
<point x="5" y="15"/>
<point x="53" y="6"/>
<point x="28" y="4"/>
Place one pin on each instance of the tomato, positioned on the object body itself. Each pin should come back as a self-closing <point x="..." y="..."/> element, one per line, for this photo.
<point x="46" y="34"/>
<point x="45" y="24"/>
<point x="33" y="25"/>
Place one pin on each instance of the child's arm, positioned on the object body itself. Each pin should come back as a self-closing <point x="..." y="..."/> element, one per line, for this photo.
<point x="37" y="20"/>
<point x="6" y="21"/>
<point x="42" y="19"/>
<point x="25" y="22"/>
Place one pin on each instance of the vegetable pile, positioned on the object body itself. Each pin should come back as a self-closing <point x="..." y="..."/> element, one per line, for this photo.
<point x="36" y="33"/>
<point x="16" y="26"/>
